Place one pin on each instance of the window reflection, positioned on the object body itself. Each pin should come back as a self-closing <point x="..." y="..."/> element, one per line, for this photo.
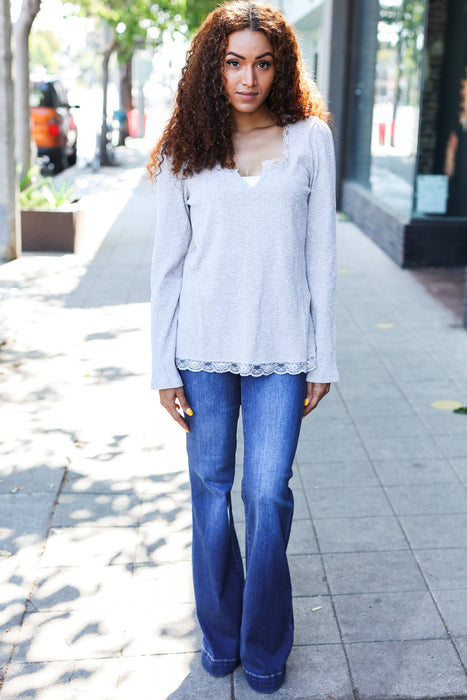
<point x="400" y="39"/>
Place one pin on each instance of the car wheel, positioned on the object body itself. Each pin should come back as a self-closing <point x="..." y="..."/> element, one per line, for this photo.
<point x="72" y="157"/>
<point x="59" y="161"/>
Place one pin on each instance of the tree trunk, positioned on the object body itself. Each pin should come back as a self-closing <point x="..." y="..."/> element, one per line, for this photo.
<point x="104" y="159"/>
<point x="10" y="232"/>
<point x="23" y="24"/>
<point x="126" y="102"/>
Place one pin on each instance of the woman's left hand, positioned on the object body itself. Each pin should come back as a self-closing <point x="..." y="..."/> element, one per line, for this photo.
<point x="314" y="393"/>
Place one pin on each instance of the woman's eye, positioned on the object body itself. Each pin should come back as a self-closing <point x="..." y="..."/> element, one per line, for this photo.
<point x="233" y="63"/>
<point x="264" y="65"/>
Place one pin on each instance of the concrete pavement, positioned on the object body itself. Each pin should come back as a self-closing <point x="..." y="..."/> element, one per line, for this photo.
<point x="94" y="499"/>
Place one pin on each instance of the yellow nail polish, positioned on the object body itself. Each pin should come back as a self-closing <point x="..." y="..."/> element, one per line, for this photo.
<point x="307" y="401"/>
<point x="190" y="412"/>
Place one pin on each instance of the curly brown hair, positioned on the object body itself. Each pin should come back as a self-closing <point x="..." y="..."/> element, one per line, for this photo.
<point x="199" y="132"/>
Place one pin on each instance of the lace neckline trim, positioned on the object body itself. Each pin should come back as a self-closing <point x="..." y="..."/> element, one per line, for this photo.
<point x="270" y="162"/>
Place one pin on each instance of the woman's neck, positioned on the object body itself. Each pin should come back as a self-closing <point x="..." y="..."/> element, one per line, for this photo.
<point x="244" y="121"/>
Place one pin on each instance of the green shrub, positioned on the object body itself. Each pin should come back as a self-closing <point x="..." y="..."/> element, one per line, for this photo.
<point x="37" y="192"/>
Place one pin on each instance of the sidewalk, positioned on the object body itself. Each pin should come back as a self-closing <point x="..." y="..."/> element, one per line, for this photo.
<point x="94" y="500"/>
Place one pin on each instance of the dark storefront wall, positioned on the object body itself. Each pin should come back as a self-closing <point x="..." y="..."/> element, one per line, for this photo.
<point x="451" y="143"/>
<point x="402" y="128"/>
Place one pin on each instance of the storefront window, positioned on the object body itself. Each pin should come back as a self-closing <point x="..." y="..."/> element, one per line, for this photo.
<point x="396" y="109"/>
<point x="441" y="184"/>
<point x="388" y="86"/>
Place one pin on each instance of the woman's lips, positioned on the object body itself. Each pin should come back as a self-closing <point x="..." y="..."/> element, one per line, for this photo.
<point x="248" y="96"/>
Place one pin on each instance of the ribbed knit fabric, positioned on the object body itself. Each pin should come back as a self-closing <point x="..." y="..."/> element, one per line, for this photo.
<point x="243" y="278"/>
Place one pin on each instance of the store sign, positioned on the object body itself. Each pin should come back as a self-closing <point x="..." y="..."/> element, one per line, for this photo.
<point x="432" y="194"/>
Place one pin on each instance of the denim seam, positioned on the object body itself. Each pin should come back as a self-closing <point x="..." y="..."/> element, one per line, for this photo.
<point x="218" y="661"/>
<point x="264" y="678"/>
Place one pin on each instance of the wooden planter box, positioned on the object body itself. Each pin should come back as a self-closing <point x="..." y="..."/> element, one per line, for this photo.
<point x="55" y="231"/>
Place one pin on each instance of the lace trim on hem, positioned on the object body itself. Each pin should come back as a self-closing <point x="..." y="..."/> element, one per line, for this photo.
<point x="246" y="369"/>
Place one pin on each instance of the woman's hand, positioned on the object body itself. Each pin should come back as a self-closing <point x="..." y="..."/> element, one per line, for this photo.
<point x="172" y="400"/>
<point x="314" y="393"/>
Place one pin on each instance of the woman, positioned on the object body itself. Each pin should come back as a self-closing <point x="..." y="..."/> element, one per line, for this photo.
<point x="243" y="313"/>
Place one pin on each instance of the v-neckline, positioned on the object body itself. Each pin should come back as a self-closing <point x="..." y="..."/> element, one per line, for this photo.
<point x="269" y="162"/>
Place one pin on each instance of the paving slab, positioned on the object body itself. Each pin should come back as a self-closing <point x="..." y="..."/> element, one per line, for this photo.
<point x="45" y="681"/>
<point x="381" y="427"/>
<point x="26" y="513"/>
<point x="424" y="499"/>
<point x="450" y="603"/>
<point x="425" y="531"/>
<point x="307" y="574"/>
<point x="85" y="545"/>
<point x="315" y="621"/>
<point x="97" y="510"/>
<point x="70" y="634"/>
<point x="302" y="538"/>
<point x="443" y="569"/>
<point x="461" y="646"/>
<point x="358" y="534"/>
<point x="373" y="572"/>
<point x="313" y="672"/>
<point x="169" y="676"/>
<point x="394" y="472"/>
<point x="389" y="617"/>
<point x="321" y="474"/>
<point x="444" y="422"/>
<point x="168" y="542"/>
<point x="459" y="464"/>
<point x="160" y="627"/>
<point x="319" y="450"/>
<point x="348" y="501"/>
<point x="357" y="405"/>
<point x="405" y="447"/>
<point x="413" y="669"/>
<point x="321" y="428"/>
<point x="66" y="588"/>
<point x="170" y="581"/>
<point x="453" y="445"/>
<point x="31" y="477"/>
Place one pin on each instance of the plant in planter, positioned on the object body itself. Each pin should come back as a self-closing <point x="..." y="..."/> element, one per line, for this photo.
<point x="50" y="218"/>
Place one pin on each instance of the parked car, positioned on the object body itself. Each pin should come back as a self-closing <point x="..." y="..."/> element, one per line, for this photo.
<point x="53" y="127"/>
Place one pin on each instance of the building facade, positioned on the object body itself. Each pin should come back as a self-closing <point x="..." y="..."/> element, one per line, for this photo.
<point x="395" y="75"/>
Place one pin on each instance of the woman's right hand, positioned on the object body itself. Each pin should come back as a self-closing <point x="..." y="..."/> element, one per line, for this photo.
<point x="174" y="399"/>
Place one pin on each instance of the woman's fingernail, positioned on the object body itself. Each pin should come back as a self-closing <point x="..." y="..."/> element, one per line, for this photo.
<point x="189" y="412"/>
<point x="187" y="430"/>
<point x="307" y="401"/>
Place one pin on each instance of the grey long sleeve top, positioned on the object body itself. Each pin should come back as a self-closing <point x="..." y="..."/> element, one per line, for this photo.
<point x="243" y="278"/>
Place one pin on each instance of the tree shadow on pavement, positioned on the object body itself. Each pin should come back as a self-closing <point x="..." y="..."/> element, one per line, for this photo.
<point x="101" y="572"/>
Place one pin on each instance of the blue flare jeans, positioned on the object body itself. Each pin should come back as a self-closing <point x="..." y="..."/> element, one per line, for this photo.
<point x="246" y="615"/>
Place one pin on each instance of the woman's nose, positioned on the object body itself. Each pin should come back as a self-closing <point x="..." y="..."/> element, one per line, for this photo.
<point x="249" y="76"/>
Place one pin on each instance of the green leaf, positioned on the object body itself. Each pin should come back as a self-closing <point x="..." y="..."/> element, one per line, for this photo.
<point x="37" y="192"/>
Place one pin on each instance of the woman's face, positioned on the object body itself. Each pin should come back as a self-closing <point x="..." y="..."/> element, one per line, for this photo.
<point x="248" y="69"/>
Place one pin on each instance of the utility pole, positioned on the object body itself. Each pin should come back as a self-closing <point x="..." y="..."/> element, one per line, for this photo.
<point x="10" y="230"/>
